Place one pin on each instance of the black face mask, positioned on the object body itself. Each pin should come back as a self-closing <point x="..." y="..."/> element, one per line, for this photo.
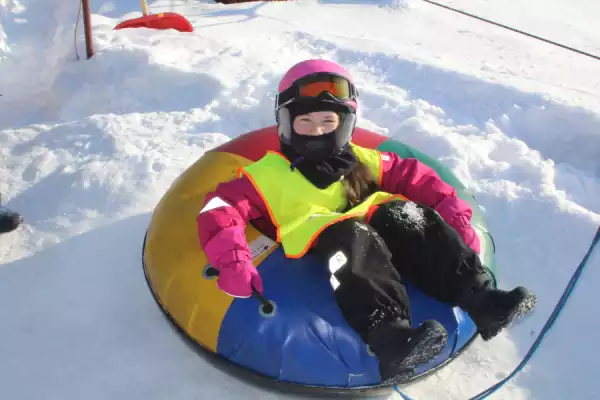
<point x="316" y="160"/>
<point x="316" y="156"/>
<point x="313" y="148"/>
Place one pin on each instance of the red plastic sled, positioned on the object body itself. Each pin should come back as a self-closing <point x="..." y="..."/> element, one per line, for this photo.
<point x="166" y="20"/>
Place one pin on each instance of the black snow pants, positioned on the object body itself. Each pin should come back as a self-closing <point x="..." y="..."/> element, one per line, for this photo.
<point x="368" y="262"/>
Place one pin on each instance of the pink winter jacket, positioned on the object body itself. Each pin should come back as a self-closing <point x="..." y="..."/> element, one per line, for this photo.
<point x="233" y="204"/>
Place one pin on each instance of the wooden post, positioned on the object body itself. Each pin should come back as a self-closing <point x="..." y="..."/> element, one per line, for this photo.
<point x="87" y="23"/>
<point x="144" y="7"/>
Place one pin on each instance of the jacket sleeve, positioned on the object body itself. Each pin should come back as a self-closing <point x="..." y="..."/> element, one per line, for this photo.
<point x="223" y="218"/>
<point x="421" y="184"/>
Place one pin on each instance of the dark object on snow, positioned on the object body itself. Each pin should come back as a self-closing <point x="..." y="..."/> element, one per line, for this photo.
<point x="9" y="220"/>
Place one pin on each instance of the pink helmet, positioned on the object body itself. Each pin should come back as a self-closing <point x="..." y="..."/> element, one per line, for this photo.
<point x="307" y="68"/>
<point x="320" y="81"/>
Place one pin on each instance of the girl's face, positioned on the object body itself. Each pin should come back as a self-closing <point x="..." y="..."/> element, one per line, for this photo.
<point x="316" y="123"/>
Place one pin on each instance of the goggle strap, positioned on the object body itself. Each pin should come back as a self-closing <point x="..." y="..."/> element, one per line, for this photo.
<point x="293" y="92"/>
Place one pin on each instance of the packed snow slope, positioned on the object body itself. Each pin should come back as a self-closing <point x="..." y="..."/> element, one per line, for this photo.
<point x="88" y="147"/>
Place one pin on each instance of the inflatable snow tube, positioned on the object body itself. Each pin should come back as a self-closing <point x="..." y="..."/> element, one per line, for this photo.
<point x="305" y="343"/>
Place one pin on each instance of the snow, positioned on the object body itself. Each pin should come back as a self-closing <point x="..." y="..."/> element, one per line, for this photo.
<point x="414" y="215"/>
<point x="88" y="147"/>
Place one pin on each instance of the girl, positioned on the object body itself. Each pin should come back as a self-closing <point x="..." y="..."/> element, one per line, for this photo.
<point x="372" y="218"/>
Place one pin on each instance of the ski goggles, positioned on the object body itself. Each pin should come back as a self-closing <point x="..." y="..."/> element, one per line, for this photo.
<point x="319" y="86"/>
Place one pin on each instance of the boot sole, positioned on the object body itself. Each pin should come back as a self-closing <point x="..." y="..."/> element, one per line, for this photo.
<point x="429" y="344"/>
<point x="525" y="306"/>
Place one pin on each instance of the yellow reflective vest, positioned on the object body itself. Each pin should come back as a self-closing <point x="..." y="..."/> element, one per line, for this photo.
<point x="301" y="211"/>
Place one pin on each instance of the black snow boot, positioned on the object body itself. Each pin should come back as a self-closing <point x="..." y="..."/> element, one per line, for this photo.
<point x="399" y="347"/>
<point x="9" y="220"/>
<point x="493" y="309"/>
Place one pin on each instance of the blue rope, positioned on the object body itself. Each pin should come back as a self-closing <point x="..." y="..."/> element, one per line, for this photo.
<point x="404" y="395"/>
<point x="549" y="323"/>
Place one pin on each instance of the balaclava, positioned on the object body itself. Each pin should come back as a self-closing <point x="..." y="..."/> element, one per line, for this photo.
<point x="316" y="156"/>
